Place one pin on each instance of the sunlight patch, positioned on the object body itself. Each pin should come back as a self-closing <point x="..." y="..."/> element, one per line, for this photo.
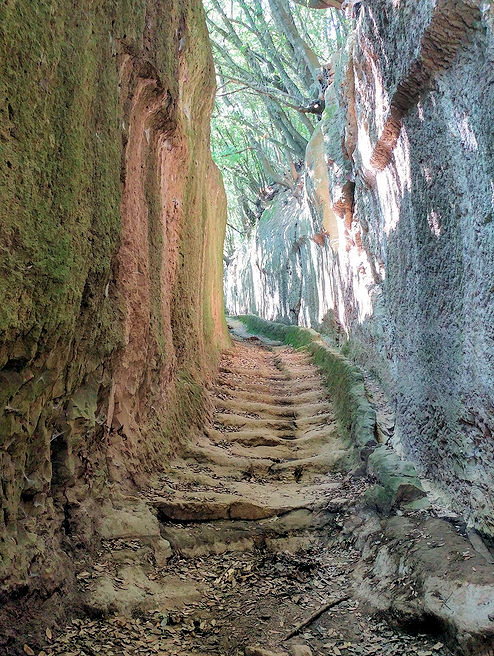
<point x="433" y="219"/>
<point x="394" y="182"/>
<point x="467" y="135"/>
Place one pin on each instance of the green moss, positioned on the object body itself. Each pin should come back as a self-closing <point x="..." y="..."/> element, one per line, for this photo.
<point x="60" y="158"/>
<point x="378" y="498"/>
<point x="293" y="335"/>
<point x="186" y="411"/>
<point x="398" y="477"/>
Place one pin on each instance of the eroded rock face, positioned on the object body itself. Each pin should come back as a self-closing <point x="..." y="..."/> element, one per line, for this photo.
<point x="282" y="272"/>
<point x="409" y="149"/>
<point x="423" y="168"/>
<point x="112" y="229"/>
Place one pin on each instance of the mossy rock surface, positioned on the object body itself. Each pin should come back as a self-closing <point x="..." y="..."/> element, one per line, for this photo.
<point x="98" y="385"/>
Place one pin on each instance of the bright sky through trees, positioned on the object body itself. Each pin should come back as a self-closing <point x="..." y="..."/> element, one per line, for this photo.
<point x="273" y="64"/>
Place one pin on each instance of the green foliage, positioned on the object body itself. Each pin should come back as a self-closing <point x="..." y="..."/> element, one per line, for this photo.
<point x="272" y="62"/>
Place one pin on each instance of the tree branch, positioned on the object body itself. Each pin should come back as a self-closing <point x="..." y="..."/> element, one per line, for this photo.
<point x="320" y="4"/>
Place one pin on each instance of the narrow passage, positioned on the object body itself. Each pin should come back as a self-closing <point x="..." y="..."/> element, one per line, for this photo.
<point x="254" y="525"/>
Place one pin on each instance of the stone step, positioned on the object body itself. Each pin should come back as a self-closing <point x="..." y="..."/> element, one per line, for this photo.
<point x="193" y="540"/>
<point x="248" y="423"/>
<point x="263" y="408"/>
<point x="219" y="506"/>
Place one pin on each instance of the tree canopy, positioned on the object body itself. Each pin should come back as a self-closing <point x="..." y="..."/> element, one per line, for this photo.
<point x="273" y="64"/>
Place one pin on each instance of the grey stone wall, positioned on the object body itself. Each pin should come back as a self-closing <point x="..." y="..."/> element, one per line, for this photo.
<point x="283" y="271"/>
<point x="422" y="226"/>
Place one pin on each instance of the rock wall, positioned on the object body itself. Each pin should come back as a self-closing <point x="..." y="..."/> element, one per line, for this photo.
<point x="409" y="149"/>
<point x="282" y="271"/>
<point x="422" y="311"/>
<point x="110" y="275"/>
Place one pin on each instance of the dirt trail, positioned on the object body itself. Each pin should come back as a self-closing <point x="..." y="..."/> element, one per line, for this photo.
<point x="248" y="543"/>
